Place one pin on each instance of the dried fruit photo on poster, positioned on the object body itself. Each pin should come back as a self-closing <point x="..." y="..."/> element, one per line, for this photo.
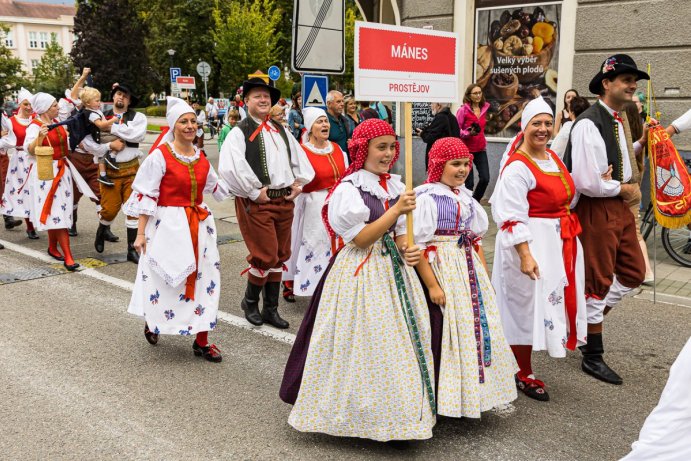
<point x="516" y="60"/>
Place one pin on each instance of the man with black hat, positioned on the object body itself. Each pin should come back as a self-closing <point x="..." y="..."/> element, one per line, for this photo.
<point x="600" y="141"/>
<point x="265" y="168"/>
<point x="130" y="128"/>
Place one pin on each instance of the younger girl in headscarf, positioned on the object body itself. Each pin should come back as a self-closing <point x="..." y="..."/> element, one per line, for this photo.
<point x="473" y="361"/>
<point x="364" y="343"/>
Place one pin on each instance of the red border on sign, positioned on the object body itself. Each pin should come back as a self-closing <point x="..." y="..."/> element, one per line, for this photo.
<point x="383" y="50"/>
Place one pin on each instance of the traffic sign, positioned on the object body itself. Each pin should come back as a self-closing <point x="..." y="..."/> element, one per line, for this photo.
<point x="318" y="37"/>
<point x="174" y="72"/>
<point x="274" y="73"/>
<point x="205" y="79"/>
<point x="186" y="83"/>
<point x="204" y="69"/>
<point x="314" y="90"/>
<point x="405" y="64"/>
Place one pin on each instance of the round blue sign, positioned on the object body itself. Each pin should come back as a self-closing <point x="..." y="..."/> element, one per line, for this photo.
<point x="274" y="73"/>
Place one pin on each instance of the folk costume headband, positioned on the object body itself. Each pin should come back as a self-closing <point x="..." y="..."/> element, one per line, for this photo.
<point x="442" y="151"/>
<point x="310" y="115"/>
<point x="23" y="95"/>
<point x="41" y="102"/>
<point x="358" y="147"/>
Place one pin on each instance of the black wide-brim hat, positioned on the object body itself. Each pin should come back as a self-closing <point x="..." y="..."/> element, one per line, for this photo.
<point x="125" y="89"/>
<point x="613" y="66"/>
<point x="257" y="82"/>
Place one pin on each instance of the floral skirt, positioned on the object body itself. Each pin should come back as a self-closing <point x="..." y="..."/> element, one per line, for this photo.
<point x="16" y="200"/>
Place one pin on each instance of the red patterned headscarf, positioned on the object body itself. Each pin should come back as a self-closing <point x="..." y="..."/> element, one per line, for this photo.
<point x="358" y="148"/>
<point x="442" y="151"/>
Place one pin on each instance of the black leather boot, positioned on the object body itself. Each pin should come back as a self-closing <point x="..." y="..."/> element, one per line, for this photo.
<point x="132" y="254"/>
<point x="10" y="222"/>
<point x="270" y="310"/>
<point x="73" y="230"/>
<point x="108" y="236"/>
<point x="100" y="241"/>
<point x="593" y="364"/>
<point x="250" y="304"/>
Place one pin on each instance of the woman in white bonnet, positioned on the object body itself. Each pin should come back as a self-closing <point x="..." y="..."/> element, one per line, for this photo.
<point x="177" y="292"/>
<point x="538" y="260"/>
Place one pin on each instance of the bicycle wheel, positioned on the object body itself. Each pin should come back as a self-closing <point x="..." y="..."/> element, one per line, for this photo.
<point x="677" y="244"/>
<point x="208" y="133"/>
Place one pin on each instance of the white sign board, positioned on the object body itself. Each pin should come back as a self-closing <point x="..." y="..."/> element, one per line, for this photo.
<point x="186" y="83"/>
<point x="405" y="64"/>
<point x="318" y="36"/>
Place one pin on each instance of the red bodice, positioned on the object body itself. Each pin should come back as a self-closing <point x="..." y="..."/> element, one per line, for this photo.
<point x="553" y="193"/>
<point x="328" y="168"/>
<point x="56" y="138"/>
<point x="183" y="183"/>
<point x="19" y="131"/>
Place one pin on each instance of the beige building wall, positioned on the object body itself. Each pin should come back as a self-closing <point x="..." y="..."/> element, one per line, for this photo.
<point x="21" y="28"/>
<point x="651" y="31"/>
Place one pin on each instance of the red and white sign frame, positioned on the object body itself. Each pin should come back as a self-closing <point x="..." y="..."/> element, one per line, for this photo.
<point x="405" y="64"/>
<point x="186" y="82"/>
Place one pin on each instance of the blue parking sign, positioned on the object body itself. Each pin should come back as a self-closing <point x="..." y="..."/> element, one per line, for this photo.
<point x="174" y="72"/>
<point x="314" y="89"/>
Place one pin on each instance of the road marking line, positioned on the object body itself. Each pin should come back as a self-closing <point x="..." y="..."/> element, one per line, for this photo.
<point x="265" y="330"/>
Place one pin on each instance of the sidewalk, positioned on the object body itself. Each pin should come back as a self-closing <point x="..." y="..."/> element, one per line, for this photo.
<point x="672" y="281"/>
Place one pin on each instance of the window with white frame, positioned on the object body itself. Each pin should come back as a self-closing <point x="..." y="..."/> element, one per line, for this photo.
<point x="33" y="40"/>
<point x="43" y="40"/>
<point x="34" y="65"/>
<point x="9" y="41"/>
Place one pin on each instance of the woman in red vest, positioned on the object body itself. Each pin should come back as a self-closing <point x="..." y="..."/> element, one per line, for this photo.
<point x="311" y="245"/>
<point x="538" y="271"/>
<point x="52" y="200"/>
<point x="179" y="274"/>
<point x="16" y="199"/>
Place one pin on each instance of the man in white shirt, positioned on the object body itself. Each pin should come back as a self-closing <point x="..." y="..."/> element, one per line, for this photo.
<point x="211" y="110"/>
<point x="265" y="168"/>
<point x="600" y="140"/>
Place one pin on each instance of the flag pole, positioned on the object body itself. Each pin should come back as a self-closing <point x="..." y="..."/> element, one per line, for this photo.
<point x="408" y="122"/>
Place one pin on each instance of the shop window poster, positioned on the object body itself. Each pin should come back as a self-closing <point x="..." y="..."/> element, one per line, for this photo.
<point x="516" y="60"/>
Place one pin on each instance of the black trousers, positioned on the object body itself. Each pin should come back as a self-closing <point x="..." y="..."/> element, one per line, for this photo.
<point x="481" y="165"/>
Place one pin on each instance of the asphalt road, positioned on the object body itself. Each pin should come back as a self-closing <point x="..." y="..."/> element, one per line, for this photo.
<point x="79" y="381"/>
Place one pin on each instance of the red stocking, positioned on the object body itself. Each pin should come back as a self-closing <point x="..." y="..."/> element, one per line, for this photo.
<point x="202" y="338"/>
<point x="523" y="354"/>
<point x="29" y="225"/>
<point x="53" y="242"/>
<point x="64" y="240"/>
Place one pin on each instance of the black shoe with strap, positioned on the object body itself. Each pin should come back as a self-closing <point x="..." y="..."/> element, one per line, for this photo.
<point x="150" y="336"/>
<point x="594" y="364"/>
<point x="71" y="267"/>
<point x="250" y="304"/>
<point x="57" y="257"/>
<point x="270" y="310"/>
<point x="210" y="352"/>
<point x="288" y="294"/>
<point x="533" y="388"/>
<point x="11" y="223"/>
<point x="32" y="235"/>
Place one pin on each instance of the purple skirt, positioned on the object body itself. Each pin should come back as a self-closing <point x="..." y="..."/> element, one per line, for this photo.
<point x="292" y="376"/>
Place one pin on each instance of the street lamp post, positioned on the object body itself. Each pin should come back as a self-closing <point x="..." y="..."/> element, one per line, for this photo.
<point x="171" y="53"/>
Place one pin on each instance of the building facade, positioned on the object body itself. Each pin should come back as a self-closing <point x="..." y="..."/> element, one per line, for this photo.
<point x="32" y="26"/>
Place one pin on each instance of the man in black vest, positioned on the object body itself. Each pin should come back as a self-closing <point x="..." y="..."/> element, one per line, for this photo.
<point x="131" y="129"/>
<point x="265" y="169"/>
<point x="600" y="139"/>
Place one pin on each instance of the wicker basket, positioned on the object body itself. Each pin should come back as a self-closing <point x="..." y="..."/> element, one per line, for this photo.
<point x="44" y="163"/>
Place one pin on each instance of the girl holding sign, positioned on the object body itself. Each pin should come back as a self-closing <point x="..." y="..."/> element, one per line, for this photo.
<point x="476" y="364"/>
<point x="362" y="364"/>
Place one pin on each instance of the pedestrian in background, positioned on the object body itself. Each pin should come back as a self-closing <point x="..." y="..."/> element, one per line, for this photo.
<point x="471" y="118"/>
<point x="351" y="112"/>
<point x="295" y="119"/>
<point x="340" y="129"/>
<point x="443" y="125"/>
<point x="278" y="115"/>
<point x="577" y="106"/>
<point x="367" y="112"/>
<point x="563" y="116"/>
<point x="177" y="292"/>
<point x="232" y="118"/>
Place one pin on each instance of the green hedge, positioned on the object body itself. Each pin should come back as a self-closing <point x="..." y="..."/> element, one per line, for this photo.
<point x="156" y="111"/>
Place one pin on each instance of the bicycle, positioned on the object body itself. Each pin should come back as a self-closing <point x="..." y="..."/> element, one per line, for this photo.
<point x="212" y="129"/>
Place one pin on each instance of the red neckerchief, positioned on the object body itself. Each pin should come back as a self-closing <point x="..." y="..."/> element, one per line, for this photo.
<point x="264" y="125"/>
<point x="616" y="116"/>
<point x="382" y="182"/>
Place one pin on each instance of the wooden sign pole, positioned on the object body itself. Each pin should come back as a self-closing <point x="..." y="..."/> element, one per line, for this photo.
<point x="408" y="122"/>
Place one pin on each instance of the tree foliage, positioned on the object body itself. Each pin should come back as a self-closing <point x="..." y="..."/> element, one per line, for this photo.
<point x="54" y="72"/>
<point x="246" y="39"/>
<point x="110" y="40"/>
<point x="12" y="76"/>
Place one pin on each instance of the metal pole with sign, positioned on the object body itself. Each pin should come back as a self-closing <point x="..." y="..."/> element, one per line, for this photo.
<point x="407" y="65"/>
<point x="204" y="70"/>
